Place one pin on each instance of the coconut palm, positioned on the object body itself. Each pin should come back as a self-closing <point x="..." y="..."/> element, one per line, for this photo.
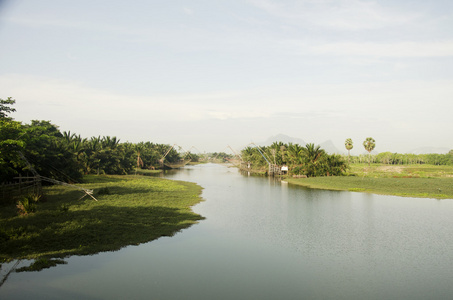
<point x="369" y="145"/>
<point x="349" y="145"/>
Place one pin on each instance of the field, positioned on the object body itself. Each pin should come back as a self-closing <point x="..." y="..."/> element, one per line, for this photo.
<point x="424" y="181"/>
<point x="401" y="171"/>
<point x="130" y="210"/>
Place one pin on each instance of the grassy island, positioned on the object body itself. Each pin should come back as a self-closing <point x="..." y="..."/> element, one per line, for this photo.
<point x="130" y="210"/>
<point x="421" y="181"/>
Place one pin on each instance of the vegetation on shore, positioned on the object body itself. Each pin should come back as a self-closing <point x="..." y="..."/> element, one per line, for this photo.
<point x="66" y="156"/>
<point x="390" y="158"/>
<point x="422" y="181"/>
<point x="309" y="160"/>
<point x="426" y="175"/>
<point x="130" y="210"/>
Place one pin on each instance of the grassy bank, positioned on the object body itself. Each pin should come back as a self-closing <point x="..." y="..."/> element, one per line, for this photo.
<point x="131" y="210"/>
<point x="425" y="181"/>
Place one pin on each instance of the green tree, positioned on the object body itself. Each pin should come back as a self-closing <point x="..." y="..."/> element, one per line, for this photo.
<point x="369" y="145"/>
<point x="10" y="145"/>
<point x="5" y="107"/>
<point x="48" y="152"/>
<point x="11" y="142"/>
<point x="349" y="145"/>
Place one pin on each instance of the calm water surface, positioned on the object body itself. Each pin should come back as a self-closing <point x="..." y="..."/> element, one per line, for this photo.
<point x="263" y="239"/>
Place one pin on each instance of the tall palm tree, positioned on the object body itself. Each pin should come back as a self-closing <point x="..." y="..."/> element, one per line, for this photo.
<point x="349" y="145"/>
<point x="369" y="145"/>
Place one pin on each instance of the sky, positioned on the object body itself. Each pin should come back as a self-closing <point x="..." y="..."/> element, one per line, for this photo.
<point x="215" y="73"/>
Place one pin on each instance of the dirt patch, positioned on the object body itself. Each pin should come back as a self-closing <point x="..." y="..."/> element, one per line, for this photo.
<point x="391" y="169"/>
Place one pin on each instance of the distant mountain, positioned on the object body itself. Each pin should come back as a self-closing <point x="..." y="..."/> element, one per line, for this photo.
<point x="428" y="150"/>
<point x="284" y="139"/>
<point x="328" y="146"/>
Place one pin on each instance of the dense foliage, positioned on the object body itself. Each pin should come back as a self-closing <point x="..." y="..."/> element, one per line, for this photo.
<point x="310" y="160"/>
<point x="65" y="156"/>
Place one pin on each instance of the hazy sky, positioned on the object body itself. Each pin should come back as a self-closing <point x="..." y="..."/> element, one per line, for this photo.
<point x="209" y="73"/>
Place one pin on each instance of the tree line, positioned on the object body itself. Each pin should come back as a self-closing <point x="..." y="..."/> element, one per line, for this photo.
<point x="396" y="158"/>
<point x="67" y="156"/>
<point x="406" y="159"/>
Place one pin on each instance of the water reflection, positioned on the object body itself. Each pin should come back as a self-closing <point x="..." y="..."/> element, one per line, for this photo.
<point x="264" y="239"/>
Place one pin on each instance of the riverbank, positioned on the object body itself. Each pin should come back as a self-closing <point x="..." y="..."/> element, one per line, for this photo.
<point x="130" y="210"/>
<point x="421" y="181"/>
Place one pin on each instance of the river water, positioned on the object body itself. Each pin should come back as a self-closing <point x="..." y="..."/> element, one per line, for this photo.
<point x="264" y="239"/>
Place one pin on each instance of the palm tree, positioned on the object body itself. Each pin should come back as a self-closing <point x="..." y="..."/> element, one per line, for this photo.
<point x="313" y="158"/>
<point x="369" y="145"/>
<point x="293" y="154"/>
<point x="93" y="150"/>
<point x="349" y="145"/>
<point x="109" y="142"/>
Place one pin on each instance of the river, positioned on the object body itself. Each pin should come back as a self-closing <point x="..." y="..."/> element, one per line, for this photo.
<point x="264" y="239"/>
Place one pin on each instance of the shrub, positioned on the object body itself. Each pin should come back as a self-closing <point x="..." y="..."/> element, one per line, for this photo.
<point x="28" y="204"/>
<point x="34" y="197"/>
<point x="104" y="191"/>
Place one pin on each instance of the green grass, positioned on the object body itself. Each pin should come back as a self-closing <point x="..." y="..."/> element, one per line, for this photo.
<point x="410" y="171"/>
<point x="130" y="210"/>
<point x="422" y="181"/>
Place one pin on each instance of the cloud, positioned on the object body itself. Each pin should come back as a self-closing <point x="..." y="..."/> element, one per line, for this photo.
<point x="367" y="51"/>
<point x="188" y="11"/>
<point x="398" y="49"/>
<point x="350" y="15"/>
<point x="36" y="21"/>
<point x="56" y="99"/>
<point x="234" y="114"/>
<point x="410" y="109"/>
<point x="49" y="98"/>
